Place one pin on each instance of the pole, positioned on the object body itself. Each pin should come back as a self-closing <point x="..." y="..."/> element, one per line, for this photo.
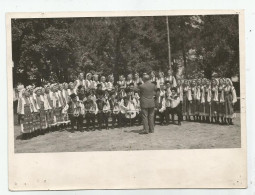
<point x="168" y="41"/>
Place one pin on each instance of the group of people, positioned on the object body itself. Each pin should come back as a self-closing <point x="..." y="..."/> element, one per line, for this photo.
<point x="95" y="99"/>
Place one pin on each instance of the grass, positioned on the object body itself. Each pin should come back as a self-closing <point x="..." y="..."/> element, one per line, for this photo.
<point x="191" y="135"/>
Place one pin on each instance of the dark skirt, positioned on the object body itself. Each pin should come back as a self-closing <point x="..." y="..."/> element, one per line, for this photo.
<point x="221" y="109"/>
<point x="26" y="121"/>
<point x="229" y="108"/>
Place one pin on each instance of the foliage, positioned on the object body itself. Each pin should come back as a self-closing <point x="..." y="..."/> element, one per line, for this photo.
<point x="56" y="49"/>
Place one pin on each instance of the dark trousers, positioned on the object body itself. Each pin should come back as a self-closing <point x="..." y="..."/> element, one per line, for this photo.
<point x="116" y="118"/>
<point x="102" y="118"/>
<point x="167" y="114"/>
<point x="161" y="116"/>
<point x="90" y="119"/>
<point x="76" y="121"/>
<point x="148" y="119"/>
<point x="177" y="110"/>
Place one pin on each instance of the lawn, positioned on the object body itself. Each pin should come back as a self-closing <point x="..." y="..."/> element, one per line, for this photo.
<point x="190" y="135"/>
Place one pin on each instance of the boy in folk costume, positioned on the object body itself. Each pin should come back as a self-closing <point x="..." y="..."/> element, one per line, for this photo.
<point x="161" y="79"/>
<point x="132" y="105"/>
<point x="103" y="106"/>
<point x="129" y="79"/>
<point x="81" y="93"/>
<point x="186" y="99"/>
<point x="168" y="106"/>
<point x="221" y="105"/>
<point x="153" y="77"/>
<point x="175" y="105"/>
<point x="75" y="112"/>
<point x="179" y="88"/>
<point x="90" y="111"/>
<point x="110" y="83"/>
<point x="122" y="82"/>
<point x="171" y="78"/>
<point x="95" y="81"/>
<point x="25" y="110"/>
<point x="103" y="83"/>
<point x="79" y="81"/>
<point x="160" y="107"/>
<point x="137" y="79"/>
<point x="88" y="81"/>
<point x="115" y="110"/>
<point x="71" y="88"/>
<point x="214" y="101"/>
<point x="230" y="99"/>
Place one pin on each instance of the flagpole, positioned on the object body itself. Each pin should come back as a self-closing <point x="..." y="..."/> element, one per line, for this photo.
<point x="168" y="41"/>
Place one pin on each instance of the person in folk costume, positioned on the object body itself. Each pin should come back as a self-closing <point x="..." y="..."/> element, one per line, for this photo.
<point x="62" y="103"/>
<point x="162" y="89"/>
<point x="103" y="83"/>
<point x="124" y="107"/>
<point x="81" y="93"/>
<point x="203" y="99"/>
<point x="186" y="99"/>
<point x="198" y="99"/>
<point x="160" y="79"/>
<point x="95" y="81"/>
<point x="208" y="98"/>
<point x="153" y="77"/>
<point x="175" y="105"/>
<point x="71" y="88"/>
<point x="230" y="99"/>
<point x="79" y="81"/>
<point x="90" y="111"/>
<point x="171" y="78"/>
<point x="103" y="106"/>
<point x="122" y="82"/>
<point x="19" y="95"/>
<point x="66" y="99"/>
<point x="132" y="105"/>
<point x="129" y="79"/>
<point x="214" y="101"/>
<point x="99" y="88"/>
<point x="75" y="112"/>
<point x="88" y="81"/>
<point x="110" y="83"/>
<point x="57" y="106"/>
<point x="193" y="102"/>
<point x="41" y="108"/>
<point x="137" y="79"/>
<point x="49" y="106"/>
<point x="25" y="110"/>
<point x="160" y="107"/>
<point x="221" y="105"/>
<point x="115" y="110"/>
<point x="36" y="119"/>
<point x="179" y="88"/>
<point x="168" y="105"/>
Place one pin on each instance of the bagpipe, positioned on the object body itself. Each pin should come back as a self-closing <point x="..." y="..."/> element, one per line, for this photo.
<point x="129" y="111"/>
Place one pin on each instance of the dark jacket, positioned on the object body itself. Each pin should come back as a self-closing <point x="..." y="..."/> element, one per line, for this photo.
<point x="147" y="92"/>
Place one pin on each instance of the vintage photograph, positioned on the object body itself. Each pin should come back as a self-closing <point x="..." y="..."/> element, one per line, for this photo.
<point x="126" y="83"/>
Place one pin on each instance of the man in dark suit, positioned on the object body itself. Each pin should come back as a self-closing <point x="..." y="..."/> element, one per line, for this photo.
<point x="147" y="93"/>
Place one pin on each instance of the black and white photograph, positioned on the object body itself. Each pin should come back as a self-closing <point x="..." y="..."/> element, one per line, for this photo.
<point x="126" y="83"/>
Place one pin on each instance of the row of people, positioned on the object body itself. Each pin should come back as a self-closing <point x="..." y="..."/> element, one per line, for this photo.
<point x="52" y="106"/>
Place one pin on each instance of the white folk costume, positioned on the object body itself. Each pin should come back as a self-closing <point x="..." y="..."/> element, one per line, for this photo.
<point x="25" y="109"/>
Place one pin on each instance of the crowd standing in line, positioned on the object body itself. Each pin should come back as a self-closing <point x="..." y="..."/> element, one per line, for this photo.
<point x="96" y="100"/>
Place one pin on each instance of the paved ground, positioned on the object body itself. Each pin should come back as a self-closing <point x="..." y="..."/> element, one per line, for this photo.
<point x="190" y="135"/>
